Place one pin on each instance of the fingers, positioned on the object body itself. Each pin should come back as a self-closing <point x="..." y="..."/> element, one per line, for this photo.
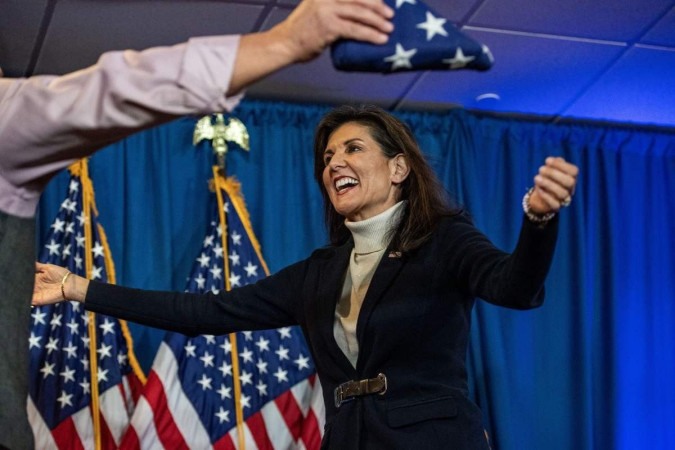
<point x="378" y="6"/>
<point x="546" y="201"/>
<point x="550" y="185"/>
<point x="350" y="29"/>
<point x="564" y="172"/>
<point x="366" y="20"/>
<point x="50" y="270"/>
<point x="554" y="185"/>
<point x="47" y="286"/>
<point x="315" y="24"/>
<point x="557" y="177"/>
<point x="37" y="298"/>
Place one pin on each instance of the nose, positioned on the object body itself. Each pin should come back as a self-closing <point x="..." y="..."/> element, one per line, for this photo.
<point x="336" y="161"/>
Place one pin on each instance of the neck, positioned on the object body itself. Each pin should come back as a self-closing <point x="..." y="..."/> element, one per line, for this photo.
<point x="373" y="234"/>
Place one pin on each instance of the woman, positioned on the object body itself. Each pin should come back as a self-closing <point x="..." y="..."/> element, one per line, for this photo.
<point x="386" y="307"/>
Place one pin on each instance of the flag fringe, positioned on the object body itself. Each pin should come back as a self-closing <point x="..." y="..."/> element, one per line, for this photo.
<point x="81" y="169"/>
<point x="219" y="184"/>
<point x="233" y="188"/>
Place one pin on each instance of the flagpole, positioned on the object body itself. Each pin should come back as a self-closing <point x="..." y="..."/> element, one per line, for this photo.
<point x="233" y="189"/>
<point x="87" y="205"/>
<point x="219" y="181"/>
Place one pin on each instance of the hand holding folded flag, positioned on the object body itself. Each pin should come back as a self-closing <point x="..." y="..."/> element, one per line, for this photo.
<point x="421" y="40"/>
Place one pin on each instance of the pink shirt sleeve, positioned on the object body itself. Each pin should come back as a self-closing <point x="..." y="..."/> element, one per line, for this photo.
<point x="48" y="122"/>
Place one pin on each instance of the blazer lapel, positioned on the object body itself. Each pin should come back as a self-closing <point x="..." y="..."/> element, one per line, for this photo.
<point x="331" y="280"/>
<point x="390" y="265"/>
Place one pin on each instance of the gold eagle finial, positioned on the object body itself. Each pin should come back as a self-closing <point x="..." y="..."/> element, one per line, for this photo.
<point x="220" y="134"/>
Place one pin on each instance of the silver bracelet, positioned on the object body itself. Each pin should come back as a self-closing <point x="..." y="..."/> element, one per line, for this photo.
<point x="532" y="216"/>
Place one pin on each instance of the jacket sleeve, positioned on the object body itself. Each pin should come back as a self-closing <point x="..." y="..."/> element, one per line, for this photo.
<point x="514" y="280"/>
<point x="48" y="122"/>
<point x="272" y="302"/>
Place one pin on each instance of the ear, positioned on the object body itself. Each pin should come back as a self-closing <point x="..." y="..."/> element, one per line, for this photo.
<point x="399" y="169"/>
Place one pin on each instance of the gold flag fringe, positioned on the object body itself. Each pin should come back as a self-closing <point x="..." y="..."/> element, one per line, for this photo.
<point x="233" y="189"/>
<point x="219" y="182"/>
<point x="81" y="169"/>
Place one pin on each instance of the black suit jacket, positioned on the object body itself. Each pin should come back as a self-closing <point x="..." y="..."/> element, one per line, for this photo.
<point x="413" y="327"/>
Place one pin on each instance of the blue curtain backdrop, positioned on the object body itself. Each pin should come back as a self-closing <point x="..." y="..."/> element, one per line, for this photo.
<point x="594" y="368"/>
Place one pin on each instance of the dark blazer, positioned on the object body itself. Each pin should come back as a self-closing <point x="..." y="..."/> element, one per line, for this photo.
<point x="413" y="327"/>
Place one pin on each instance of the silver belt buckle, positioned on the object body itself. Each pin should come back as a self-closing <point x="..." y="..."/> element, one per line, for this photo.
<point x="382" y="377"/>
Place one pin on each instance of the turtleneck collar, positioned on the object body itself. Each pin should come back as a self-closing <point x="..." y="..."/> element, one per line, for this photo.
<point x="372" y="235"/>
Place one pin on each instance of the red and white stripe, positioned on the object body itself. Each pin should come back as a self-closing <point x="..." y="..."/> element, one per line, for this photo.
<point x="165" y="418"/>
<point x="77" y="431"/>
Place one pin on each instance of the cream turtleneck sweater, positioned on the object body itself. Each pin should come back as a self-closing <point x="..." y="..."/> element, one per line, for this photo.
<point x="371" y="238"/>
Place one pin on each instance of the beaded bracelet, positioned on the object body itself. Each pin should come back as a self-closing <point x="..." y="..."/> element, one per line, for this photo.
<point x="534" y="217"/>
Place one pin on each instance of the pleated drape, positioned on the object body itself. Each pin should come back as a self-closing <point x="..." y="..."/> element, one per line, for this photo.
<point x="592" y="369"/>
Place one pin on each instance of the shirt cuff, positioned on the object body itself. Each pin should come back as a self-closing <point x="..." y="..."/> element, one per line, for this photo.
<point x="208" y="65"/>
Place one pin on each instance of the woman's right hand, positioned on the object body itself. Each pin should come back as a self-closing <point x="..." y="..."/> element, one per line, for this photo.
<point x="48" y="281"/>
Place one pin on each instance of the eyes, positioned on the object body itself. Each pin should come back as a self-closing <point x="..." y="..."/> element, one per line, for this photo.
<point x="351" y="148"/>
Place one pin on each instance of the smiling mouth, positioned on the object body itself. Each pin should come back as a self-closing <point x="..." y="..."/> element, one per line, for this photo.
<point x="345" y="183"/>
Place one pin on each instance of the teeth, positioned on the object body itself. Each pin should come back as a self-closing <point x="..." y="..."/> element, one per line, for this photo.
<point x="344" y="181"/>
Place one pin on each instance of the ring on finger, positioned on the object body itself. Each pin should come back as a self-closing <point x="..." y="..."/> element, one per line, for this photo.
<point x="566" y="202"/>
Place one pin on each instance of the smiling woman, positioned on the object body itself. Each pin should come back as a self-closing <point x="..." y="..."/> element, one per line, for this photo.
<point x="385" y="154"/>
<point x="386" y="308"/>
<point x="360" y="179"/>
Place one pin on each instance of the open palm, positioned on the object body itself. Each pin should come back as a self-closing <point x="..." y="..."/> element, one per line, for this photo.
<point x="47" y="288"/>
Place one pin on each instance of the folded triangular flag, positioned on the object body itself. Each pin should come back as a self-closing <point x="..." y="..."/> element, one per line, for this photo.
<point x="421" y="40"/>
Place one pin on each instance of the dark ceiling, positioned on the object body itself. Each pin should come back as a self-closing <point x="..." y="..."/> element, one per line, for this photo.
<point x="607" y="60"/>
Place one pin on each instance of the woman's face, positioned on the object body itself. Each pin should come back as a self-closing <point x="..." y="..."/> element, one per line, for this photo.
<point x="359" y="178"/>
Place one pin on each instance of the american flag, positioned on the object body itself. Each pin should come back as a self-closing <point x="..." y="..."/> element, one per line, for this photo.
<point x="62" y="392"/>
<point x="253" y="389"/>
<point x="421" y="40"/>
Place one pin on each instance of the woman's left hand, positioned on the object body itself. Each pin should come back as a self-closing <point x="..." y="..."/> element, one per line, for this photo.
<point x="553" y="186"/>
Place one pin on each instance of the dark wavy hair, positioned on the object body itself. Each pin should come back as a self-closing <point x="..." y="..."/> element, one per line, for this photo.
<point x="427" y="200"/>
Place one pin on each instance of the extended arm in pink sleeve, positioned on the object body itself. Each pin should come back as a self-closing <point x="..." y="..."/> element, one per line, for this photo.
<point x="47" y="122"/>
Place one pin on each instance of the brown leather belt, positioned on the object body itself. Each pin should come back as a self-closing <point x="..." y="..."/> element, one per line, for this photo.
<point x="357" y="388"/>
